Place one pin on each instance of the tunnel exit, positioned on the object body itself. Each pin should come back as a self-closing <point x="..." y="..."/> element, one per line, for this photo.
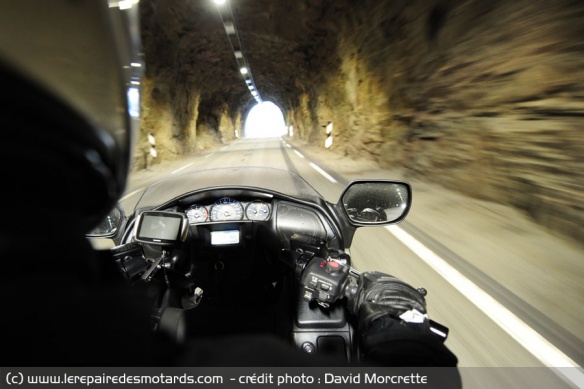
<point x="264" y="120"/>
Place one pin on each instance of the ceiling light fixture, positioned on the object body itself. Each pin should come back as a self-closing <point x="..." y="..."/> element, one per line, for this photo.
<point x="231" y="30"/>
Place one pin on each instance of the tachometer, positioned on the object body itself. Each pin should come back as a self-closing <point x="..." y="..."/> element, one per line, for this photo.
<point x="226" y="209"/>
<point x="257" y="210"/>
<point x="196" y="214"/>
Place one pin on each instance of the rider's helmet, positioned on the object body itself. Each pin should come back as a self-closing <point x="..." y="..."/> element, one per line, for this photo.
<point x="70" y="73"/>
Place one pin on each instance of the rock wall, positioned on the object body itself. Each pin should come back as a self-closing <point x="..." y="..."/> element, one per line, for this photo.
<point x="486" y="98"/>
<point x="187" y="101"/>
<point x="171" y="117"/>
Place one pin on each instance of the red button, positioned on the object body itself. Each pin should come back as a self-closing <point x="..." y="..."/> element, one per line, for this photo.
<point x="333" y="264"/>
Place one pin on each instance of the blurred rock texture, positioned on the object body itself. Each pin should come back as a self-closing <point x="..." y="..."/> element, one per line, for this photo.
<point x="484" y="97"/>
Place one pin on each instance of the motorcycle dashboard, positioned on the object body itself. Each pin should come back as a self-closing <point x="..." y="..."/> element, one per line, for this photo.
<point x="226" y="219"/>
<point x="227" y="209"/>
<point x="288" y="217"/>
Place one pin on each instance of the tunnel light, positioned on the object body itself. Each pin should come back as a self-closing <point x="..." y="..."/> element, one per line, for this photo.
<point x="229" y="28"/>
<point x="135" y="82"/>
<point x="126" y="4"/>
<point x="136" y="64"/>
<point x="133" y="95"/>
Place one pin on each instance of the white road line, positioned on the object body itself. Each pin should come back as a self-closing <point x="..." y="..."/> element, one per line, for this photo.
<point x="325" y="174"/>
<point x="533" y="342"/>
<point x="184" y="167"/>
<point x="131" y="194"/>
<point x="299" y="153"/>
<point x="208" y="155"/>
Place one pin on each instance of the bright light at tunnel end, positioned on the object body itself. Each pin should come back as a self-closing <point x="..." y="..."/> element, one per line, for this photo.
<point x="265" y="120"/>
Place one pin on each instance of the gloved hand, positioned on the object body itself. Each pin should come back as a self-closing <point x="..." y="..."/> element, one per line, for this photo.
<point x="394" y="326"/>
<point x="379" y="294"/>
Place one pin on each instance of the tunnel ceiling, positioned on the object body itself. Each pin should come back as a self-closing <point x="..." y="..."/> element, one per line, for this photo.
<point x="484" y="97"/>
<point x="288" y="45"/>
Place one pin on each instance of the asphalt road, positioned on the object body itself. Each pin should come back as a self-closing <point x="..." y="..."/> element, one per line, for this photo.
<point x="510" y="292"/>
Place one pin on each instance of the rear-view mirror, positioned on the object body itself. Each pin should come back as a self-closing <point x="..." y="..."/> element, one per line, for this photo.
<point x="376" y="202"/>
<point x="109" y="226"/>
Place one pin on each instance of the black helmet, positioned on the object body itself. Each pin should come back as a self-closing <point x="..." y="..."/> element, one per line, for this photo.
<point x="70" y="72"/>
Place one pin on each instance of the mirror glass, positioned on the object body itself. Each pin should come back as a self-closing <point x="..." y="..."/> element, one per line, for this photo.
<point x="376" y="202"/>
<point x="109" y="225"/>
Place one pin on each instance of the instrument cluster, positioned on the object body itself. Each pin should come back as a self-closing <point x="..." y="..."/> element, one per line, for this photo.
<point x="228" y="209"/>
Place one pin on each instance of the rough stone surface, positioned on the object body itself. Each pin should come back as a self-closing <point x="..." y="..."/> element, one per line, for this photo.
<point x="484" y="97"/>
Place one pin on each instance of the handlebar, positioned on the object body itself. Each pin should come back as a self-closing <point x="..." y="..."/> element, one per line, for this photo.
<point x="327" y="280"/>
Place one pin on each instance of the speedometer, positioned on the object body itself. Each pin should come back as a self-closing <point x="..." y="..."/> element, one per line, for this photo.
<point x="226" y="209"/>
<point x="196" y="214"/>
<point x="257" y="210"/>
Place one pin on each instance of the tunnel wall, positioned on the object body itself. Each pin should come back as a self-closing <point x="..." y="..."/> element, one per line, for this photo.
<point x="169" y="112"/>
<point x="486" y="98"/>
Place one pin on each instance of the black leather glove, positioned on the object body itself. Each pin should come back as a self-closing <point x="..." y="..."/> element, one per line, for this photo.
<point x="379" y="294"/>
<point x="393" y="324"/>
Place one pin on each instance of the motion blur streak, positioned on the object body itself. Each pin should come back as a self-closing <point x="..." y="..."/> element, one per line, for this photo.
<point x="521" y="332"/>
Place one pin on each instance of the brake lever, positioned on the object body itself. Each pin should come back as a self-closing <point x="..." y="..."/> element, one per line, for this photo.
<point x="354" y="273"/>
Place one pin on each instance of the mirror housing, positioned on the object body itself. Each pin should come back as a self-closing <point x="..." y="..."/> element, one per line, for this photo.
<point x="110" y="225"/>
<point x="375" y="203"/>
